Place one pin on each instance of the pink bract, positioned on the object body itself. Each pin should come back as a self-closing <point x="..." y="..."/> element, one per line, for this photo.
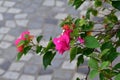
<point x="62" y="42"/>
<point x="20" y="48"/>
<point x="22" y="37"/>
<point x="23" y="34"/>
<point x="81" y="40"/>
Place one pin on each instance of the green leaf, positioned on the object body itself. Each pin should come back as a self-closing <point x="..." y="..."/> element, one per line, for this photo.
<point x="39" y="38"/>
<point x="104" y="52"/>
<point x="98" y="3"/>
<point x="77" y="79"/>
<point x="80" y="60"/>
<point x="82" y="22"/>
<point x="112" y="17"/>
<point x="104" y="65"/>
<point x="112" y="55"/>
<point x="116" y="4"/>
<point x="117" y="77"/>
<point x="73" y="53"/>
<point x="26" y="49"/>
<point x="94" y="12"/>
<point x="87" y="51"/>
<point x="49" y="46"/>
<point x="93" y="63"/>
<point x="106" y="45"/>
<point x="22" y="42"/>
<point x="19" y="55"/>
<point x="76" y="33"/>
<point x="88" y="13"/>
<point x="91" y="42"/>
<point x="101" y="76"/>
<point x="47" y="58"/>
<point x="87" y="26"/>
<point x="77" y="3"/>
<point x="117" y="66"/>
<point x="93" y="74"/>
<point x="38" y="49"/>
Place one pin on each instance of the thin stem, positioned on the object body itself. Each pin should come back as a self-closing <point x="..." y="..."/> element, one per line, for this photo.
<point x="87" y="73"/>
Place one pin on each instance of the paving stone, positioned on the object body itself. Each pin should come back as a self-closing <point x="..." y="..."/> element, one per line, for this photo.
<point x="31" y="69"/>
<point x="82" y="13"/>
<point x="21" y="16"/>
<point x="36" y="60"/>
<point x="57" y="9"/>
<point x="1" y="2"/>
<point x="59" y="56"/>
<point x="86" y="5"/>
<point x="116" y="61"/>
<point x="26" y="57"/>
<point x="97" y="19"/>
<point x="83" y="69"/>
<point x="29" y="10"/>
<point x="35" y="32"/>
<point x="16" y="66"/>
<point x="1" y="36"/>
<point x="61" y="16"/>
<point x="5" y="45"/>
<point x="49" y="29"/>
<point x="17" y="31"/>
<point x="80" y="76"/>
<point x="27" y="77"/>
<point x="60" y="79"/>
<point x="51" y="21"/>
<point x="68" y="65"/>
<point x="22" y="23"/>
<point x="9" y="38"/>
<point x="63" y="74"/>
<point x="2" y="23"/>
<point x="2" y="71"/>
<point x="4" y="30"/>
<point x="14" y="10"/>
<point x="1" y="17"/>
<point x="56" y="63"/>
<point x="8" y="16"/>
<point x="9" y="4"/>
<point x="45" y="77"/>
<point x="48" y="71"/>
<point x="1" y="52"/>
<point x="5" y="65"/>
<point x="2" y="60"/>
<point x="59" y="3"/>
<point x="11" y="75"/>
<point x="49" y="3"/>
<point x="12" y="55"/>
<point x="10" y="23"/>
<point x="3" y="9"/>
<point x="118" y="15"/>
<point x="34" y="25"/>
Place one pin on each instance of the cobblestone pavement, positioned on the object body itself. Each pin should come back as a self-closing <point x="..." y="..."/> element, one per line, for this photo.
<point x="40" y="17"/>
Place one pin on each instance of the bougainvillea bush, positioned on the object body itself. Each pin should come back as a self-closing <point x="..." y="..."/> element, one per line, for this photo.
<point x="82" y="39"/>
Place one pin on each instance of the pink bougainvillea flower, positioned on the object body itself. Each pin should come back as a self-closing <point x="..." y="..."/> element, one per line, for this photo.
<point x="62" y="42"/>
<point x="81" y="40"/>
<point x="19" y="48"/>
<point x="24" y="36"/>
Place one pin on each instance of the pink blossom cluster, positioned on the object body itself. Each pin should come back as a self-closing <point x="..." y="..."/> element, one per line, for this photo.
<point x="24" y="36"/>
<point x="62" y="43"/>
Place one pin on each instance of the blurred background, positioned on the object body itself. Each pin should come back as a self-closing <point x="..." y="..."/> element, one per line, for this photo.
<point x="39" y="17"/>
